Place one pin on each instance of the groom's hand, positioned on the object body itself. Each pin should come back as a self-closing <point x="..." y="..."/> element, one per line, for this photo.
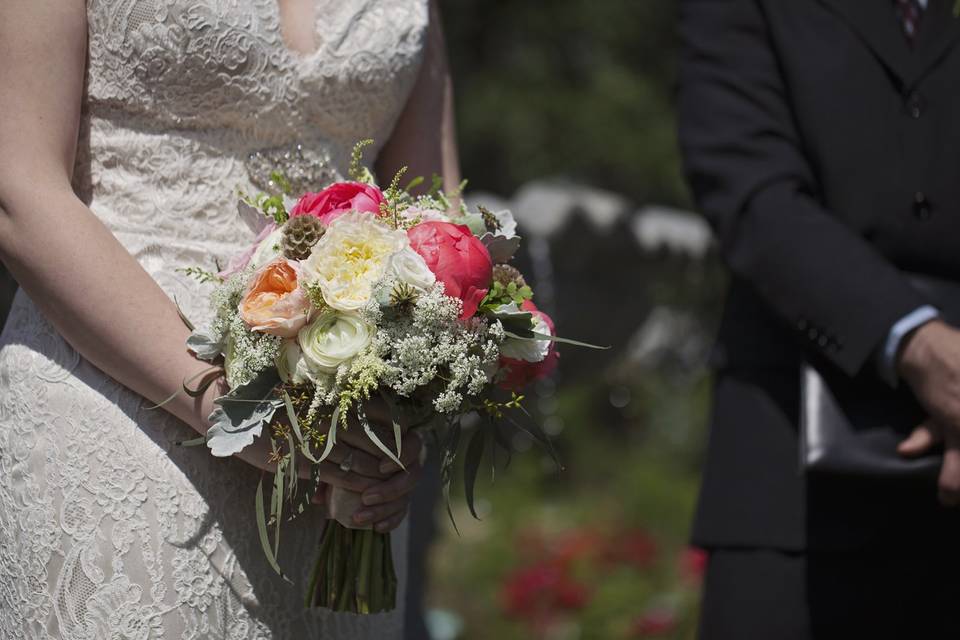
<point x="930" y="363"/>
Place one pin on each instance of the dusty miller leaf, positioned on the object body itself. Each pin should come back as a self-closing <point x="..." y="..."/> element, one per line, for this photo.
<point x="205" y="346"/>
<point x="242" y="414"/>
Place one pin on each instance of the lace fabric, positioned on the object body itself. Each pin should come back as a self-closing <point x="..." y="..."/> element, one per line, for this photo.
<point x="107" y="529"/>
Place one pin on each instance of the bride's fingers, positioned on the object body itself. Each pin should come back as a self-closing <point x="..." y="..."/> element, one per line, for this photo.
<point x="391" y="523"/>
<point x="333" y="475"/>
<point x="382" y="512"/>
<point x="923" y="438"/>
<point x="361" y="462"/>
<point x="398" y="486"/>
<point x="409" y="453"/>
<point x="357" y="438"/>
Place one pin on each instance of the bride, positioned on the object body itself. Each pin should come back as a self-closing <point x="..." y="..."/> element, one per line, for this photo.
<point x="127" y="127"/>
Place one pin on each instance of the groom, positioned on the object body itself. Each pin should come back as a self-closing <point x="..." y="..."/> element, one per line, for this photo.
<point x="822" y="140"/>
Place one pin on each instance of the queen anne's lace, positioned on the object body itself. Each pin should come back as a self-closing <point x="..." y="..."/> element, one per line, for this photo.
<point x="107" y="530"/>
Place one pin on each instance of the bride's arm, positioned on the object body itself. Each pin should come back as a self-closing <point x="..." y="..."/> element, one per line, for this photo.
<point x="83" y="280"/>
<point x="424" y="138"/>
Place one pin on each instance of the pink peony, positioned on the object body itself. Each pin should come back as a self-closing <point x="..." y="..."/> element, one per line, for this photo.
<point x="338" y="199"/>
<point x="520" y="373"/>
<point x="457" y="259"/>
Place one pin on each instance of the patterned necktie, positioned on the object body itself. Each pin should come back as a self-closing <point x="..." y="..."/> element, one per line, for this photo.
<point x="909" y="13"/>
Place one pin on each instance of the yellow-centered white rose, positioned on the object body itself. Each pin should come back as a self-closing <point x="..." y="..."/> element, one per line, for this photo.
<point x="334" y="338"/>
<point x="351" y="257"/>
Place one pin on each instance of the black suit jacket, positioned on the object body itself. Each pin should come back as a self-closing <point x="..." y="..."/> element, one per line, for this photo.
<point x="826" y="154"/>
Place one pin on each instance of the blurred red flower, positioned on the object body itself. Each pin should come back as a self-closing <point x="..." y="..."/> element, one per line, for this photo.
<point x="654" y="623"/>
<point x="636" y="548"/>
<point x="693" y="564"/>
<point x="540" y="589"/>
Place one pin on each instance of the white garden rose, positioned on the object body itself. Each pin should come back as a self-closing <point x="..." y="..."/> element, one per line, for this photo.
<point x="333" y="339"/>
<point x="268" y="249"/>
<point x="292" y="366"/>
<point x="408" y="266"/>
<point x="351" y="257"/>
<point x="528" y="350"/>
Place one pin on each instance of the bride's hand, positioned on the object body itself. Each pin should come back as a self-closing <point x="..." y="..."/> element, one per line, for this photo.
<point x="385" y="488"/>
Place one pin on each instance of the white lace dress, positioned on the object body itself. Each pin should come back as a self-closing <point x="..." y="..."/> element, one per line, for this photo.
<point x="108" y="531"/>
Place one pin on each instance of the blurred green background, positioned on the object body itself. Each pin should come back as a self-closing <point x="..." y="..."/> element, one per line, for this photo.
<point x="570" y="105"/>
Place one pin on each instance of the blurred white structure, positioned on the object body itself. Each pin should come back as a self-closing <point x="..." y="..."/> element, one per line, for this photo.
<point x="544" y="208"/>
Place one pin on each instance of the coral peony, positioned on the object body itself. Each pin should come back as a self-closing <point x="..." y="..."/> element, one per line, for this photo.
<point x="274" y="303"/>
<point x="457" y="259"/>
<point x="338" y="199"/>
<point x="520" y="373"/>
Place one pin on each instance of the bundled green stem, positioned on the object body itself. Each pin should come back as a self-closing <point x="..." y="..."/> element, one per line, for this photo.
<point x="354" y="571"/>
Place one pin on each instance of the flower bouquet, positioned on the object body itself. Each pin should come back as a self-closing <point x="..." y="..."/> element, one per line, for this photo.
<point x="355" y="295"/>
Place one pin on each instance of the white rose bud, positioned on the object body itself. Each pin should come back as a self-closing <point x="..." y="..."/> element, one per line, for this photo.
<point x="529" y="350"/>
<point x="333" y="339"/>
<point x="408" y="266"/>
<point x="292" y="366"/>
<point x="268" y="249"/>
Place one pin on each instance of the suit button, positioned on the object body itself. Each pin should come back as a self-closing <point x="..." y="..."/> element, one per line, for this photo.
<point x="915" y="106"/>
<point x="813" y="334"/>
<point x="921" y="206"/>
<point x="802" y="324"/>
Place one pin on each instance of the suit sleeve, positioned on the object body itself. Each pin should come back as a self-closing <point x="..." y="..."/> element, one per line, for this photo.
<point x="750" y="178"/>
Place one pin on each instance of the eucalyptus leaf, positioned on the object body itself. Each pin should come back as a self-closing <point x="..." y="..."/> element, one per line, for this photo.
<point x="331" y="434"/>
<point x="241" y="414"/>
<point x="277" y="502"/>
<point x="262" y="530"/>
<point x="576" y="343"/>
<point x="183" y="316"/>
<point x="205" y="346"/>
<point x="376" y="440"/>
<point x="471" y="466"/>
<point x="535" y="336"/>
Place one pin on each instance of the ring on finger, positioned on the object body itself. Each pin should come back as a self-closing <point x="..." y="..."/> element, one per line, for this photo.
<point x="347" y="463"/>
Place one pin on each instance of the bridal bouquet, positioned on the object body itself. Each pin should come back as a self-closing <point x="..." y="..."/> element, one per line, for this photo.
<point x="355" y="295"/>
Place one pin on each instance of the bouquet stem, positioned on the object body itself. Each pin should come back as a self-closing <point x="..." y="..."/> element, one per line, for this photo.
<point x="354" y="572"/>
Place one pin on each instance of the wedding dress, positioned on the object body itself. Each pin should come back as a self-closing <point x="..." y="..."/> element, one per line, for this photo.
<point x="108" y="530"/>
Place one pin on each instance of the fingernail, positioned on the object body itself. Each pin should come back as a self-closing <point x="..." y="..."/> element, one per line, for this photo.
<point x="363" y="516"/>
<point x="387" y="466"/>
<point x="373" y="498"/>
<point x="382" y="526"/>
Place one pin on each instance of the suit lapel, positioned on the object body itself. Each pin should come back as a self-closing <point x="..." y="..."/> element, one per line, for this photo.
<point x="939" y="33"/>
<point x="876" y="24"/>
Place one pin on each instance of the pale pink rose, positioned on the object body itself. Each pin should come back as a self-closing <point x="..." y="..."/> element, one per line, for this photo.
<point x="240" y="261"/>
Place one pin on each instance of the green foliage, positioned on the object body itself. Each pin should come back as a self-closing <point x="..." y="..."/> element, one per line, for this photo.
<point x="505" y="294"/>
<point x="571" y="88"/>
<point x="202" y="275"/>
<point x="358" y="171"/>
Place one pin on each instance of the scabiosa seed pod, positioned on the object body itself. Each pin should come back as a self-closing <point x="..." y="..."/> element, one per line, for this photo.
<point x="300" y="234"/>
<point x="505" y="274"/>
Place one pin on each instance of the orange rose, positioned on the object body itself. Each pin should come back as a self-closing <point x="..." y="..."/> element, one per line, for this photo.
<point x="274" y="303"/>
